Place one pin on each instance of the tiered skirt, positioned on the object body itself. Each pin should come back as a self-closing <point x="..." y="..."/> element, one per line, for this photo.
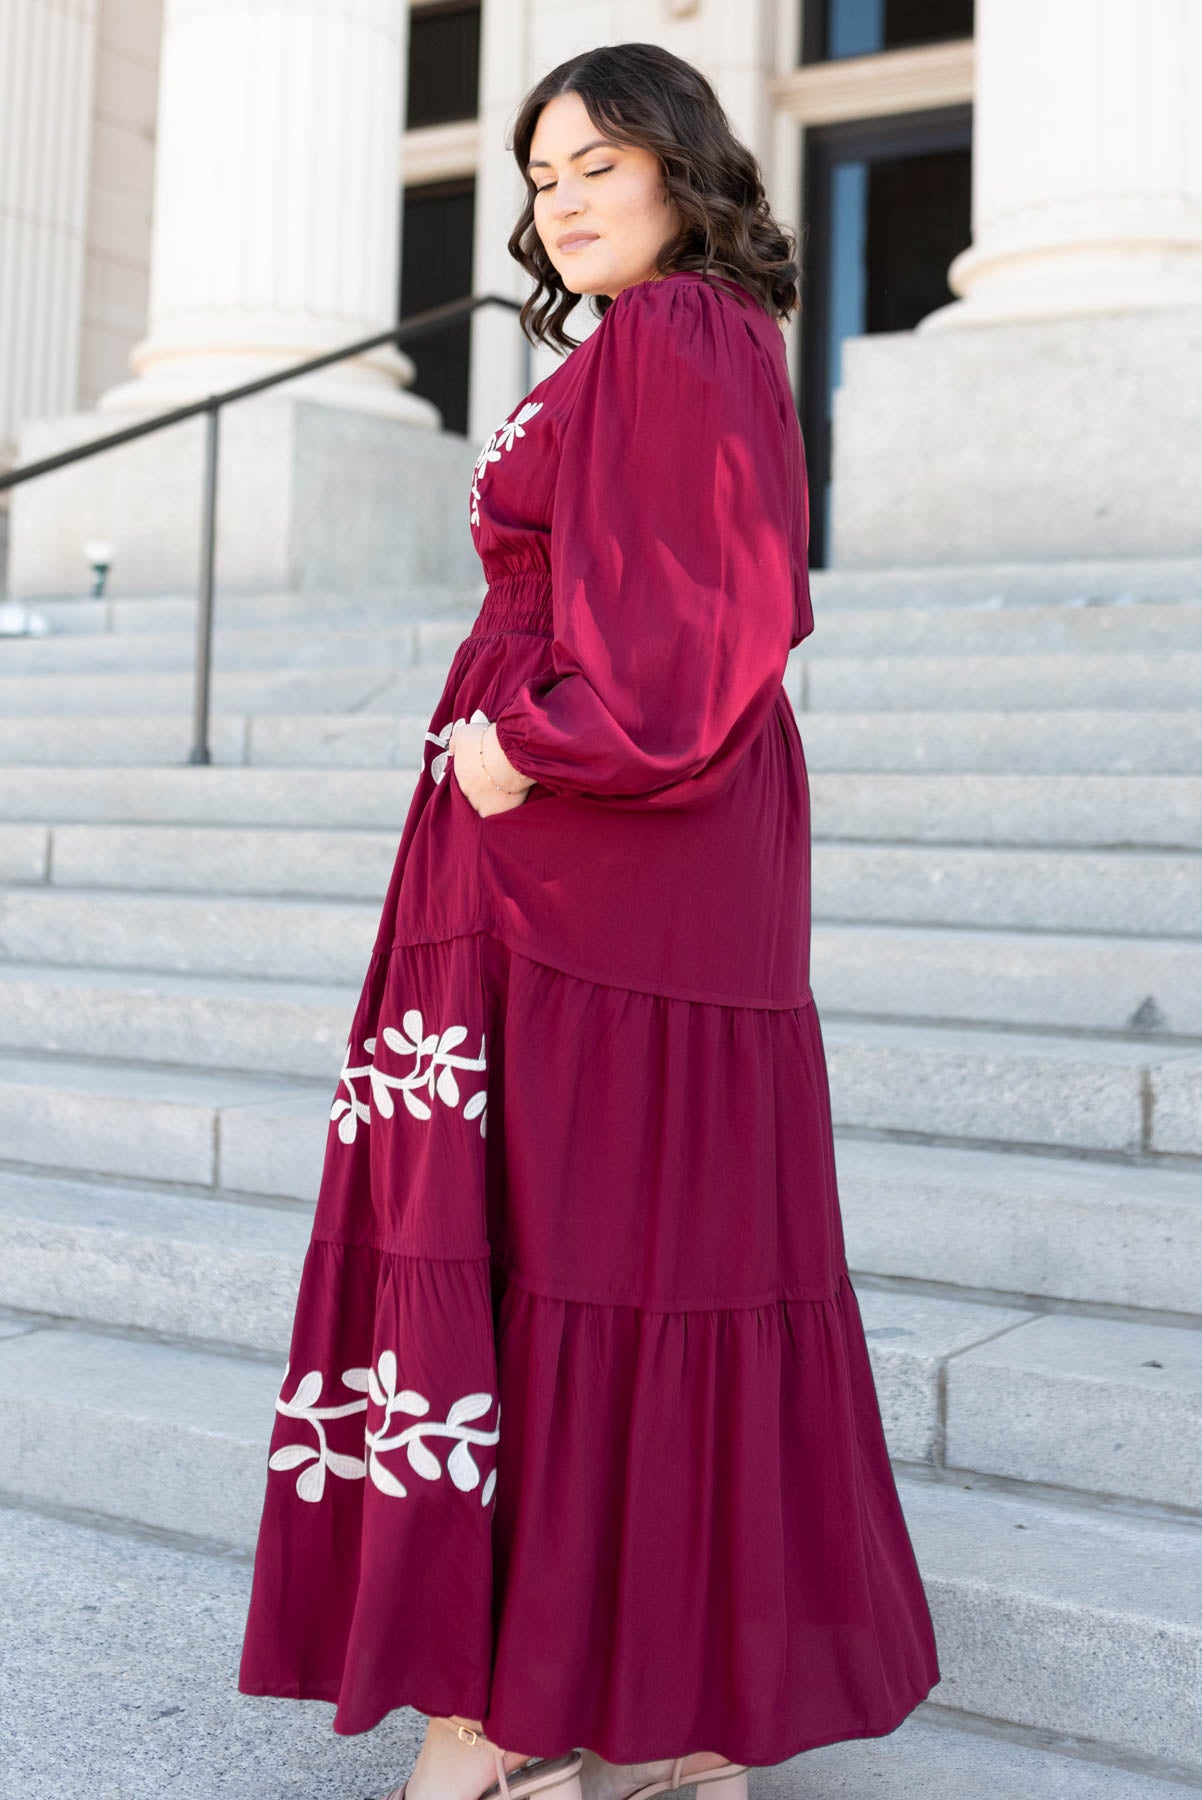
<point x="578" y="1433"/>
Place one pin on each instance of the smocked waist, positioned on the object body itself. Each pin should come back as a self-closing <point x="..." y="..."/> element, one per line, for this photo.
<point x="519" y="601"/>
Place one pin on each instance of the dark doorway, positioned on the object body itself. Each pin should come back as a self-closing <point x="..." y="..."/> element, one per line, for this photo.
<point x="444" y="62"/>
<point x="888" y="207"/>
<point x="437" y="227"/>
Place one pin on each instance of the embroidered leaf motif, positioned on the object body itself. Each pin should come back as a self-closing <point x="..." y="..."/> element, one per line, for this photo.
<point x="438" y="1078"/>
<point x="502" y="437"/>
<point x="386" y="1481"/>
<point x="387" y="1368"/>
<point x="489" y="1485"/>
<point x="470" y="1407"/>
<point x="423" y="1461"/>
<point x="308" y="1392"/>
<point x="290" y="1456"/>
<point x="311" y="1485"/>
<point x="380" y="1094"/>
<point x="438" y="767"/>
<point x="461" y="1467"/>
<point x="351" y="1467"/>
<point x="379" y="1380"/>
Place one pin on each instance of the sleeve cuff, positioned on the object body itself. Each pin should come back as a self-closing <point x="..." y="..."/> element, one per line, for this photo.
<point x="509" y="734"/>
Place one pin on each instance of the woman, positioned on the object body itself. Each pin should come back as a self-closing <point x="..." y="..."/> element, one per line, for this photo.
<point x="578" y="1450"/>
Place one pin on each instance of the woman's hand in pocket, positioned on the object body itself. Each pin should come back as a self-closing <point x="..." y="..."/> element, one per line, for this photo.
<point x="473" y="778"/>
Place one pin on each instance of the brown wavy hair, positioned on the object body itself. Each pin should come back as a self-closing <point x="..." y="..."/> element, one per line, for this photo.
<point x="642" y="94"/>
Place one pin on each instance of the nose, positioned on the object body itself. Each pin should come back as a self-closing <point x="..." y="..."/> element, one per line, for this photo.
<point x="566" y="203"/>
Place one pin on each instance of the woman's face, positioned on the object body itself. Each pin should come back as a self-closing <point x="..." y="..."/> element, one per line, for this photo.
<point x="612" y="198"/>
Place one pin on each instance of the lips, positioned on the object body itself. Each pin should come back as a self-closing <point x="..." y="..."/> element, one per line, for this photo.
<point x="577" y="237"/>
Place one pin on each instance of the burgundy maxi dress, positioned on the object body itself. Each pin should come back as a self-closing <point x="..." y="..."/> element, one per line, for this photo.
<point x="578" y="1434"/>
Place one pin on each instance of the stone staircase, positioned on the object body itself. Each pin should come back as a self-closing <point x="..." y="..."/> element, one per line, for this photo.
<point x="1006" y="782"/>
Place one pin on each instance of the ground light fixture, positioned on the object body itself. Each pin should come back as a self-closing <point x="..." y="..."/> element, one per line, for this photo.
<point x="99" y="556"/>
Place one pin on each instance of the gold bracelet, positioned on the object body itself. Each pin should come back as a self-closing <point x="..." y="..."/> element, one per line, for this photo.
<point x="503" y="790"/>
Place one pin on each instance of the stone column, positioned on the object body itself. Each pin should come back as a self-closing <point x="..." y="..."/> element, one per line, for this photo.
<point x="47" y="56"/>
<point x="1049" y="414"/>
<point x="1087" y="161"/>
<point x="276" y="236"/>
<point x="277" y="204"/>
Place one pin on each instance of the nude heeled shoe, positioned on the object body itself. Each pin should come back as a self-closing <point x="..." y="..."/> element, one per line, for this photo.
<point x="726" y="1781"/>
<point x="556" y="1776"/>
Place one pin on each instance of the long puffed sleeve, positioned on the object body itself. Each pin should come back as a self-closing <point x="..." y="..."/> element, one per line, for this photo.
<point x="677" y="554"/>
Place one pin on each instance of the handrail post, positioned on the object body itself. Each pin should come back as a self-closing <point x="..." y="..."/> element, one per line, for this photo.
<point x="200" y="752"/>
<point x="431" y="319"/>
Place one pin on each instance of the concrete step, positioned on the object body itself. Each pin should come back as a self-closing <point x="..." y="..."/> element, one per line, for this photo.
<point x="1064" y="1400"/>
<point x="402" y="605"/>
<point x="1098" y="1405"/>
<point x="345" y="639"/>
<point x="251" y="1133"/>
<point x="1024" y="1230"/>
<point x="1063" y="1618"/>
<point x="175" y="1437"/>
<point x="1110" y="741"/>
<point x="331" y="643"/>
<point x="90" y="1639"/>
<point x="1059" y="811"/>
<point x="1023" y="1227"/>
<point x="1024" y="979"/>
<point x="277" y="939"/>
<point x="1035" y="1091"/>
<point x="1078" y="982"/>
<point x="1115" y="582"/>
<point x="187" y="1262"/>
<point x="338" y="798"/>
<point x="1055" y="811"/>
<point x="285" y="1028"/>
<point x="1095" y="1405"/>
<point x="1135" y="742"/>
<point x="1022" y="681"/>
<point x="1143" y="893"/>
<point x="203" y="859"/>
<point x="1026" y="680"/>
<point x="169" y="692"/>
<point x="293" y="741"/>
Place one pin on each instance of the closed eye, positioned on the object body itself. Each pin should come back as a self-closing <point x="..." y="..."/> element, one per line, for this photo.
<point x="548" y="185"/>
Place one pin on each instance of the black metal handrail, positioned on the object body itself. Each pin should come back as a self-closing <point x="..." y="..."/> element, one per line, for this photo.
<point x="420" y="325"/>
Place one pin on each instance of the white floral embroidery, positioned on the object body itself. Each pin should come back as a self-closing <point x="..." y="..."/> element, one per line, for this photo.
<point x="438" y="766"/>
<point x="437" y="1078"/>
<point x="502" y="438"/>
<point x="380" y="1383"/>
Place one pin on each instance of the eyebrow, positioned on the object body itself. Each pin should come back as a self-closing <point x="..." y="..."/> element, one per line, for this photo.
<point x="597" y="144"/>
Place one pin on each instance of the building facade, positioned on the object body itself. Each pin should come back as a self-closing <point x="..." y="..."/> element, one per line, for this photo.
<point x="198" y="190"/>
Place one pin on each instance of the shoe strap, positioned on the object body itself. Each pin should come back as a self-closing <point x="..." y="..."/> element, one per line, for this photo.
<point x="469" y="1735"/>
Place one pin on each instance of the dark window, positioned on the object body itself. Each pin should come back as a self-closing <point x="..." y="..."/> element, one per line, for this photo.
<point x="835" y="28"/>
<point x="444" y="63"/>
<point x="437" y="224"/>
<point x="888" y="207"/>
